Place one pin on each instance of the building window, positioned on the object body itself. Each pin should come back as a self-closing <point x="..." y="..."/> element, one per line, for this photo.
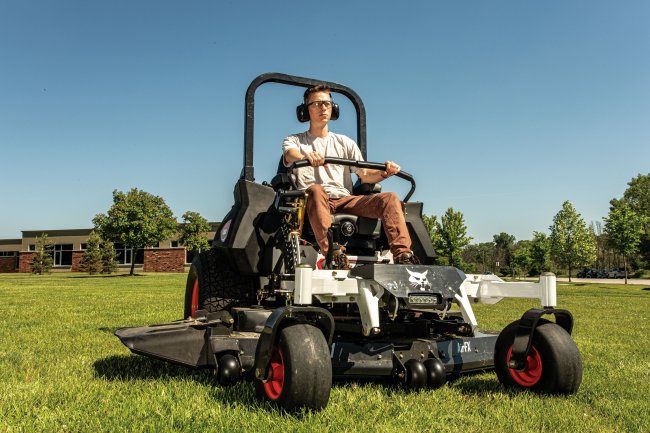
<point x="63" y="255"/>
<point x="11" y="254"/>
<point x="84" y="247"/>
<point x="31" y="247"/>
<point x="174" y="244"/>
<point x="125" y="255"/>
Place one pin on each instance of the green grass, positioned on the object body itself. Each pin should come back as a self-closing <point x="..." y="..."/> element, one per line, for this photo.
<point x="61" y="369"/>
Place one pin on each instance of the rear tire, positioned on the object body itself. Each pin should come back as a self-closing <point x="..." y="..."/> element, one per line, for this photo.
<point x="213" y="285"/>
<point x="300" y="370"/>
<point x="553" y="364"/>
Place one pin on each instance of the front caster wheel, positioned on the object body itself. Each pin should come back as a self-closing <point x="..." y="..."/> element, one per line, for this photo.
<point x="416" y="374"/>
<point x="436" y="375"/>
<point x="228" y="370"/>
<point x="300" y="370"/>
<point x="553" y="364"/>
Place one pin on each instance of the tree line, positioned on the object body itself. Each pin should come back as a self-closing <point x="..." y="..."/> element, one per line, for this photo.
<point x="570" y="244"/>
<point x="137" y="220"/>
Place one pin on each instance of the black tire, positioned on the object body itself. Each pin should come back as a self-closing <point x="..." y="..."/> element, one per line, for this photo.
<point x="213" y="285"/>
<point x="300" y="370"/>
<point x="553" y="365"/>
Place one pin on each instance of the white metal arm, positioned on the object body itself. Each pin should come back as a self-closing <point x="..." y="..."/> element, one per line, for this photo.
<point x="489" y="289"/>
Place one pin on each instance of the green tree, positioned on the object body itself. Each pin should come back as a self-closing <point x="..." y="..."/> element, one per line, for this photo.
<point x="572" y="244"/>
<point x="43" y="258"/>
<point x="540" y="253"/>
<point x="604" y="253"/>
<point x="624" y="229"/>
<point x="487" y="254"/>
<point x="504" y="244"/>
<point x="108" y="257"/>
<point x="479" y="257"/>
<point x="91" y="261"/>
<point x="433" y="228"/>
<point x="136" y="219"/>
<point x="637" y="195"/>
<point x="521" y="261"/>
<point x="453" y="236"/>
<point x="193" y="232"/>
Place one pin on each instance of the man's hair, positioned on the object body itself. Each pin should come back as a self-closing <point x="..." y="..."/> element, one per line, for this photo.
<point x="315" y="89"/>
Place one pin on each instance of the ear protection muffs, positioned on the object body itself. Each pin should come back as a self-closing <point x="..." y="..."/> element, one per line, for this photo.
<point x="302" y="112"/>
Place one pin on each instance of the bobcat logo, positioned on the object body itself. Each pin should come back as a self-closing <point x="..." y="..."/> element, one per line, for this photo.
<point x="419" y="280"/>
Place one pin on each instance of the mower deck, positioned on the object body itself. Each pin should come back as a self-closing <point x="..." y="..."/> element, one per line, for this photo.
<point x="199" y="343"/>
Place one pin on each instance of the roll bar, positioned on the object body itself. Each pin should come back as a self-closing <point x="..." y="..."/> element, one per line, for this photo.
<point x="273" y="77"/>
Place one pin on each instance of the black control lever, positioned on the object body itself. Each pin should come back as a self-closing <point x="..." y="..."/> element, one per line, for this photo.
<point x="361" y="164"/>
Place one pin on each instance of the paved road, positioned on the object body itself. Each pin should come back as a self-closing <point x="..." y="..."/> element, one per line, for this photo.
<point x="606" y="280"/>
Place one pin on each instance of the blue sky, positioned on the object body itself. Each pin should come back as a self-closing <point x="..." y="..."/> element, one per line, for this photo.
<point x="500" y="109"/>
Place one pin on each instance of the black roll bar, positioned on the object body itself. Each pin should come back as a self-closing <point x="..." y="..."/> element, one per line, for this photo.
<point x="273" y="77"/>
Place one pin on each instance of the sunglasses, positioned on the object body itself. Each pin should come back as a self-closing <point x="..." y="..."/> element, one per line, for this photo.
<point x="319" y="104"/>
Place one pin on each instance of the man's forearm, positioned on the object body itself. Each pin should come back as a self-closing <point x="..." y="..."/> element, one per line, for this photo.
<point x="292" y="155"/>
<point x="371" y="176"/>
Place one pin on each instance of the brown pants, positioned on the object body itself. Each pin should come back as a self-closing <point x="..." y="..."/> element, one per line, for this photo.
<point x="385" y="206"/>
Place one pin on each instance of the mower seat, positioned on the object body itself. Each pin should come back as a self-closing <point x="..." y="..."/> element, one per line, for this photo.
<point x="352" y="229"/>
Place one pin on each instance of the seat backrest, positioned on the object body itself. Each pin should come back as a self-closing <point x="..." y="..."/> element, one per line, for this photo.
<point x="283" y="180"/>
<point x="281" y="167"/>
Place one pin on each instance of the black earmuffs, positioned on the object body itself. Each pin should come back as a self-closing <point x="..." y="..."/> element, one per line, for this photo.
<point x="302" y="112"/>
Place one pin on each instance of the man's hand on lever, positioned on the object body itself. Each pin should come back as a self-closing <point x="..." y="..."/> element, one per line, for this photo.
<point x="391" y="169"/>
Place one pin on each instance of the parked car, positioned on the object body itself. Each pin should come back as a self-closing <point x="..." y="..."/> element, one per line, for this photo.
<point x="616" y="273"/>
<point x="591" y="273"/>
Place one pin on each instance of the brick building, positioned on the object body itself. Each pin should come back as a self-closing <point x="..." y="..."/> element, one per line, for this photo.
<point x="69" y="246"/>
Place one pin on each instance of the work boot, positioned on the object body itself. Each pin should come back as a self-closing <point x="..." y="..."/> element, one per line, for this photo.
<point x="339" y="259"/>
<point x="406" y="258"/>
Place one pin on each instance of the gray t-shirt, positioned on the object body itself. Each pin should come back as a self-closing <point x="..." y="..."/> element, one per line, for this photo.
<point x="336" y="179"/>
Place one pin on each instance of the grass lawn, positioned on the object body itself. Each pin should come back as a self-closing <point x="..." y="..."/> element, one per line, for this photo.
<point x="61" y="369"/>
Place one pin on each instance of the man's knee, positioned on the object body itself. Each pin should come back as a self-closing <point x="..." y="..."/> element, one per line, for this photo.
<point x="317" y="190"/>
<point x="390" y="199"/>
<point x="318" y="198"/>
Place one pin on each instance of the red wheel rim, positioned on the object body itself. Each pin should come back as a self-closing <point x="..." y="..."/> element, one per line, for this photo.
<point x="275" y="383"/>
<point x="532" y="372"/>
<point x="195" y="297"/>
